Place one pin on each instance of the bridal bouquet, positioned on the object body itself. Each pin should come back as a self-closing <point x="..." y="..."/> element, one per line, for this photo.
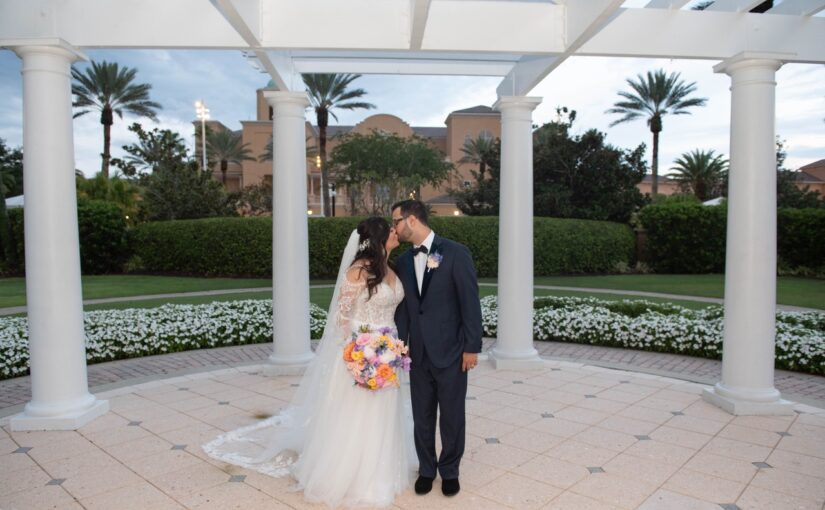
<point x="374" y="358"/>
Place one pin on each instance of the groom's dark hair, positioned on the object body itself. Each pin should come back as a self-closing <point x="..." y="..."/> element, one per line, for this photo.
<point x="412" y="207"/>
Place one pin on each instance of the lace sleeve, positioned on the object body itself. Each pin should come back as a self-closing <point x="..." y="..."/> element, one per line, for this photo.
<point x="346" y="301"/>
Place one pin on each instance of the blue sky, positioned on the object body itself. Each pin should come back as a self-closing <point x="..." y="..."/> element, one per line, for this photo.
<point x="227" y="84"/>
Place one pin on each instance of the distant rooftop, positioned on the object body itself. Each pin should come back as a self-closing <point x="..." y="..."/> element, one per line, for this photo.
<point x="476" y="110"/>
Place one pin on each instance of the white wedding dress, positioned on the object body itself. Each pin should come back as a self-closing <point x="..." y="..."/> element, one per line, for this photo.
<point x="344" y="445"/>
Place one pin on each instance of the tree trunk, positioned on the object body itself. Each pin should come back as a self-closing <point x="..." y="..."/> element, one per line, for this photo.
<point x="323" y="120"/>
<point x="654" y="166"/>
<point x="107" y="120"/>
<point x="224" y="166"/>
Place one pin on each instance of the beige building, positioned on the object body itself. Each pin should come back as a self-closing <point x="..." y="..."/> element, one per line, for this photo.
<point x="461" y="125"/>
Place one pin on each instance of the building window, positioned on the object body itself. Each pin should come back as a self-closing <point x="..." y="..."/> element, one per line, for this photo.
<point x="467" y="138"/>
<point x="271" y="113"/>
<point x="485" y="134"/>
<point x="466" y="184"/>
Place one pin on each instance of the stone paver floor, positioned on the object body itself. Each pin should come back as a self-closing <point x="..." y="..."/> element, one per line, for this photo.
<point x="804" y="388"/>
<point x="567" y="436"/>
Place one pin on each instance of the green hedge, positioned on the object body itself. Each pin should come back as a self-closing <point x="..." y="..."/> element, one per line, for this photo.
<point x="689" y="238"/>
<point x="102" y="232"/>
<point x="242" y="246"/>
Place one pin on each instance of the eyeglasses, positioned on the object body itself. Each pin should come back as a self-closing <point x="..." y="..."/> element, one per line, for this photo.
<point x="396" y="221"/>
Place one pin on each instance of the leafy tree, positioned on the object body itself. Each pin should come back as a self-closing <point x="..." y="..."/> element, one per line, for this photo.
<point x="255" y="200"/>
<point x="327" y="92"/>
<point x="379" y="169"/>
<point x="122" y="192"/>
<point x="573" y="177"/>
<point x="110" y="89"/>
<point x="701" y="173"/>
<point x="788" y="194"/>
<point x="226" y="147"/>
<point x="182" y="191"/>
<point x="582" y="176"/>
<point x="153" y="149"/>
<point x="654" y="96"/>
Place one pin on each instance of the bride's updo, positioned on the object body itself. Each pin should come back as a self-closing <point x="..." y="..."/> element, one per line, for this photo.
<point x="373" y="233"/>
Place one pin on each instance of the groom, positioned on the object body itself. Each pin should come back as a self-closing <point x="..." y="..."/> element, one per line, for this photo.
<point x="440" y="318"/>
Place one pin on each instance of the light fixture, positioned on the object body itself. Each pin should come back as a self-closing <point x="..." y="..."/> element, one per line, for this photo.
<point x="309" y="212"/>
<point x="203" y="115"/>
<point x="456" y="213"/>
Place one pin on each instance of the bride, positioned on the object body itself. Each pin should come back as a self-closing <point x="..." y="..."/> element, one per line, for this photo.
<point x="343" y="444"/>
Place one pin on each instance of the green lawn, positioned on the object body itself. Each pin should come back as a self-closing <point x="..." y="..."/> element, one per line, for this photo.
<point x="790" y="291"/>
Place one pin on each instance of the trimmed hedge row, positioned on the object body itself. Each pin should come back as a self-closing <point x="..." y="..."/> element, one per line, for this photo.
<point x="690" y="238"/>
<point x="242" y="246"/>
<point x="102" y="232"/>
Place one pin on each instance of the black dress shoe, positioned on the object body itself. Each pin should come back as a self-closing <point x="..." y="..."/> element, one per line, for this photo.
<point x="450" y="487"/>
<point x="423" y="485"/>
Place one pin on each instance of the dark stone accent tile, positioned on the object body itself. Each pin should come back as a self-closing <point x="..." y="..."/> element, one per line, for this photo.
<point x="179" y="447"/>
<point x="223" y="403"/>
<point x="471" y="398"/>
<point x="729" y="506"/>
<point x="643" y="438"/>
<point x="518" y="382"/>
<point x="784" y="434"/>
<point x="56" y="481"/>
<point x="237" y="478"/>
<point x="590" y="396"/>
<point x="23" y="449"/>
<point x="134" y="423"/>
<point x="762" y="465"/>
<point x="595" y="470"/>
<point x="547" y="415"/>
<point x="492" y="440"/>
<point x="677" y="413"/>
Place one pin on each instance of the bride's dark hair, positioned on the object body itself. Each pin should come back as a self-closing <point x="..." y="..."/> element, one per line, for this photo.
<point x="373" y="233"/>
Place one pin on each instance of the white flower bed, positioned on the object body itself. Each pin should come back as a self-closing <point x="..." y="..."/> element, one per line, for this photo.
<point x="117" y="334"/>
<point x="635" y="324"/>
<point x="638" y="324"/>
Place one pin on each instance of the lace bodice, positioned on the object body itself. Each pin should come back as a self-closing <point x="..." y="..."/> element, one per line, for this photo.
<point x="355" y="309"/>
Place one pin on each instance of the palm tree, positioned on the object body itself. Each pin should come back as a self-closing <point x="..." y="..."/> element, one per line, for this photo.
<point x="225" y="146"/>
<point x="108" y="88"/>
<point x="653" y="97"/>
<point x="701" y="173"/>
<point x="328" y="91"/>
<point x="478" y="151"/>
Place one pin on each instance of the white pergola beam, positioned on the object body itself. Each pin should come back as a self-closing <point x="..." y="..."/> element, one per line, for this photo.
<point x="582" y="21"/>
<point x="401" y="66"/>
<point x="420" y="13"/>
<point x="708" y="35"/>
<point x="733" y="5"/>
<point x="798" y="7"/>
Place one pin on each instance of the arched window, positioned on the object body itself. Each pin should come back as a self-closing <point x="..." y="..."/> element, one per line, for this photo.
<point x="485" y="134"/>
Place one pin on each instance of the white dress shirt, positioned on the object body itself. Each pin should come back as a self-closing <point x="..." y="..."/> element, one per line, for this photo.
<point x="420" y="259"/>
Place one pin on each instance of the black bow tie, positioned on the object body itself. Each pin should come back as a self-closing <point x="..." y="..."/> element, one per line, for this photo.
<point x="420" y="249"/>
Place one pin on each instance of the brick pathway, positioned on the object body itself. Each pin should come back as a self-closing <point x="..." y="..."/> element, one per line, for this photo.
<point x="804" y="388"/>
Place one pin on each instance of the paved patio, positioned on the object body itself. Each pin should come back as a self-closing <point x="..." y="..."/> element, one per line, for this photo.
<point x="569" y="436"/>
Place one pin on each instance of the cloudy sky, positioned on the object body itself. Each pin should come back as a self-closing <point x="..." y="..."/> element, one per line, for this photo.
<point x="227" y="84"/>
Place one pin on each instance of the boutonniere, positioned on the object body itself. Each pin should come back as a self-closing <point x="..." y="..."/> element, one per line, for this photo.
<point x="434" y="260"/>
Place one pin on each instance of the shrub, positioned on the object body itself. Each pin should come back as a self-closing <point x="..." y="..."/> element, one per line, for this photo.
<point x="690" y="238"/>
<point x="102" y="233"/>
<point x="242" y="246"/>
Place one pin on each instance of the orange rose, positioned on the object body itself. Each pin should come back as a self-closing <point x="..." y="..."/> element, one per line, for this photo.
<point x="348" y="351"/>
<point x="385" y="372"/>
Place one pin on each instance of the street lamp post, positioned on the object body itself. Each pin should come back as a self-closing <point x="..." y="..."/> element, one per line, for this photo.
<point x="203" y="116"/>
<point x="332" y="195"/>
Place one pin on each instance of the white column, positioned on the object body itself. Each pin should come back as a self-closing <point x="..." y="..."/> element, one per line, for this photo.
<point x="747" y="385"/>
<point x="60" y="391"/>
<point x="514" y="347"/>
<point x="290" y="239"/>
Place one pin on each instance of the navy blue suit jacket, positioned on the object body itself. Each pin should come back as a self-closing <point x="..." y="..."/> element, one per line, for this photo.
<point x="445" y="317"/>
